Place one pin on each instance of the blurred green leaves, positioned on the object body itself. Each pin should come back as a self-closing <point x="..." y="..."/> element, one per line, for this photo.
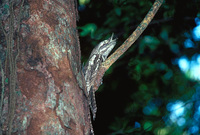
<point x="88" y="29"/>
<point x="148" y="125"/>
<point x="84" y="2"/>
<point x="121" y="127"/>
<point x="147" y="77"/>
<point x="148" y="42"/>
<point x="118" y="11"/>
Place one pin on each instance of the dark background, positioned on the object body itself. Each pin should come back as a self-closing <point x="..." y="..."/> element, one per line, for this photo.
<point x="139" y="88"/>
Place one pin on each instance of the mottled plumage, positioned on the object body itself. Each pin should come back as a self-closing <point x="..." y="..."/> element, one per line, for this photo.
<point x="97" y="56"/>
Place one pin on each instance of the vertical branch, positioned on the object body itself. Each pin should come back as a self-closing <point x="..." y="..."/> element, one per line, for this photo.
<point x="10" y="63"/>
<point x="2" y="95"/>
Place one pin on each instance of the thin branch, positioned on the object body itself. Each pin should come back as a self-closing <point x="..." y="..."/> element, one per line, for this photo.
<point x="130" y="40"/>
<point x="12" y="63"/>
<point x="134" y="36"/>
<point x="12" y="98"/>
<point x="2" y="96"/>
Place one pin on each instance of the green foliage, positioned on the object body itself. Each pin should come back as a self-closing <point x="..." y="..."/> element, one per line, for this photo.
<point x="148" y="42"/>
<point x="140" y="85"/>
<point x="84" y="2"/>
<point x="88" y="29"/>
<point x="121" y="127"/>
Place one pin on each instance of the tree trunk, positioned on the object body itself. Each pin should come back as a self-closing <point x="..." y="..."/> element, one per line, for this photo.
<point x="49" y="93"/>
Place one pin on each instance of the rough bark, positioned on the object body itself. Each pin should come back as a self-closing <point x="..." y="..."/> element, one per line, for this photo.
<point x="49" y="96"/>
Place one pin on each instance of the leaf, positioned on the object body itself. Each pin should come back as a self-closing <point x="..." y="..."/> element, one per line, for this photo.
<point x="84" y="2"/>
<point x="118" y="11"/>
<point x="148" y="42"/>
<point x="87" y="29"/>
<point x="148" y="126"/>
